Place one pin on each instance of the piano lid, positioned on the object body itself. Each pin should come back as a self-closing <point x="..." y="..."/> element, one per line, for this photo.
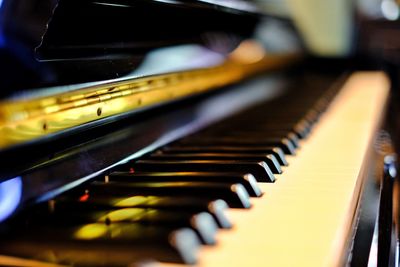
<point x="88" y="60"/>
<point x="51" y="43"/>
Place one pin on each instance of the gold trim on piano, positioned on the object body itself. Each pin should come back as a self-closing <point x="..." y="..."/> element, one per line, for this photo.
<point x="26" y="120"/>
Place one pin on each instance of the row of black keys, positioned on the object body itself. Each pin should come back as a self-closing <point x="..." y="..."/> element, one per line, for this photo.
<point x="164" y="206"/>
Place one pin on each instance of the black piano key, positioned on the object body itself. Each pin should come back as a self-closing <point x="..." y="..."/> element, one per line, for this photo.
<point x="322" y="104"/>
<point x="259" y="169"/>
<point x="99" y="244"/>
<point x="292" y="136"/>
<point x="247" y="180"/>
<point x="202" y="223"/>
<point x="276" y="151"/>
<point x="90" y="202"/>
<point x="269" y="159"/>
<point x="301" y="128"/>
<point x="302" y="133"/>
<point x="312" y="116"/>
<point x="284" y="143"/>
<point x="234" y="194"/>
<point x="252" y="134"/>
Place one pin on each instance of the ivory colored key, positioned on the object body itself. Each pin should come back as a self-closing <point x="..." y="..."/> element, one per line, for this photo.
<point x="310" y="208"/>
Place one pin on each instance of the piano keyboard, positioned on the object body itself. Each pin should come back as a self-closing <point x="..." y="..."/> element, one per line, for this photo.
<point x="305" y="217"/>
<point x="291" y="176"/>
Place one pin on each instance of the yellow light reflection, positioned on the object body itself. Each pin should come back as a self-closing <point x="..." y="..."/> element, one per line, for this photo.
<point x="130" y="214"/>
<point x="28" y="119"/>
<point x="91" y="231"/>
<point x="132" y="201"/>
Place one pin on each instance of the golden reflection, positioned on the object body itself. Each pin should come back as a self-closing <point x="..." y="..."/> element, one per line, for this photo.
<point x="132" y="201"/>
<point x="91" y="231"/>
<point x="26" y="120"/>
<point x="129" y="214"/>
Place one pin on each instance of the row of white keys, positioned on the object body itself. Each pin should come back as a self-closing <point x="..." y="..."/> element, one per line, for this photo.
<point x="304" y="218"/>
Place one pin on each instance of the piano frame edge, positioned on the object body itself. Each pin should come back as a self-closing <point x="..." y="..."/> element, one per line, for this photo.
<point x="342" y="256"/>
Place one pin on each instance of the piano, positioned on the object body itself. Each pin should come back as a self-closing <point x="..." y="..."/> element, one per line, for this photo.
<point x="189" y="133"/>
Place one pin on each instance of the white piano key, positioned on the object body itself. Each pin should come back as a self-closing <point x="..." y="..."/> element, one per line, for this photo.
<point x="305" y="217"/>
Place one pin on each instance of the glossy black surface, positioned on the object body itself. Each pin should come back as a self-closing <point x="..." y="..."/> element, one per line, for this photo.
<point x="115" y="244"/>
<point x="65" y="159"/>
<point x="244" y="150"/>
<point x="97" y="28"/>
<point x="202" y="223"/>
<point x="282" y="143"/>
<point x="61" y="42"/>
<point x="234" y="194"/>
<point x="259" y="169"/>
<point x="247" y="180"/>
<point x="269" y="159"/>
<point x="216" y="208"/>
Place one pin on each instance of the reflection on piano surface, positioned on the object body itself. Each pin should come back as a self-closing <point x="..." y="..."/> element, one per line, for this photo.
<point x="127" y="140"/>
